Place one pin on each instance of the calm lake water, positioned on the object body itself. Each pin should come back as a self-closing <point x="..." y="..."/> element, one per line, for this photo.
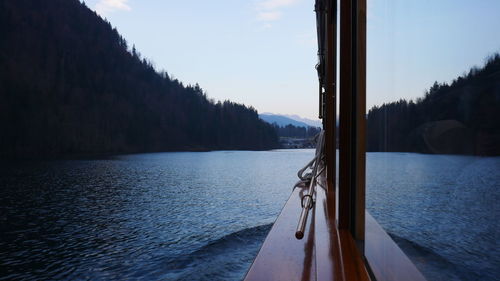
<point x="203" y="216"/>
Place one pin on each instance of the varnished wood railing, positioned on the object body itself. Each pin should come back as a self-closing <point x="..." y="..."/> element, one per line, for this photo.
<point x="325" y="253"/>
<point x="282" y="256"/>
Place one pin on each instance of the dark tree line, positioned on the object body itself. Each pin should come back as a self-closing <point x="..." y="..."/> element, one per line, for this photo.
<point x="70" y="84"/>
<point x="292" y="131"/>
<point x="460" y="118"/>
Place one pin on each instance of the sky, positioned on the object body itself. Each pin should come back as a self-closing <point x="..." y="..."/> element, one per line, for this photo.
<point x="413" y="43"/>
<point x="263" y="52"/>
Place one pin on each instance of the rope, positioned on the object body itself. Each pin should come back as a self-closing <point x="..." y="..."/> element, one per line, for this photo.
<point x="306" y="178"/>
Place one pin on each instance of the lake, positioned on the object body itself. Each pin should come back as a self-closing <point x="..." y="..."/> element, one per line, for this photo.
<point x="204" y="215"/>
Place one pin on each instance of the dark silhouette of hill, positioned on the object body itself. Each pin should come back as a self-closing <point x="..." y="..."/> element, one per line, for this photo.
<point x="291" y="131"/>
<point x="70" y="84"/>
<point x="460" y="118"/>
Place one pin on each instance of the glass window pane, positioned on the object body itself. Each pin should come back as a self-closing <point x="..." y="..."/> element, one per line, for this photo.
<point x="433" y="132"/>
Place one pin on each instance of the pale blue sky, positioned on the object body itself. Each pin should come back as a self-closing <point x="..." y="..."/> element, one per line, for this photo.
<point x="413" y="43"/>
<point x="262" y="52"/>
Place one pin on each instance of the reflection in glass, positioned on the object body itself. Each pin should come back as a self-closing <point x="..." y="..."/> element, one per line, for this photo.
<point x="433" y="133"/>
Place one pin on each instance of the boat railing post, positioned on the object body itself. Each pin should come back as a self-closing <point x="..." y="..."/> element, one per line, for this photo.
<point x="307" y="201"/>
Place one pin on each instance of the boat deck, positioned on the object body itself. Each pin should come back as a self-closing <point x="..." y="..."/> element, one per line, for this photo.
<point x="325" y="252"/>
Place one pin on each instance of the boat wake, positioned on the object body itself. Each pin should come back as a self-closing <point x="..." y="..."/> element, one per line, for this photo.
<point x="431" y="264"/>
<point x="226" y="258"/>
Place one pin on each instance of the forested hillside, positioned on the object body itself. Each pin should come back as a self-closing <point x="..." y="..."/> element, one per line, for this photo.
<point x="291" y="131"/>
<point x="70" y="84"/>
<point x="460" y="118"/>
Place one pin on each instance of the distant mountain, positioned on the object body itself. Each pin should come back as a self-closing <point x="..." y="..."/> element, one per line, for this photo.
<point x="71" y="84"/>
<point x="281" y="120"/>
<point x="310" y="122"/>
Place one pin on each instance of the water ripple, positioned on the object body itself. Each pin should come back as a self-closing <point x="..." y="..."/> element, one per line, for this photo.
<point x="136" y="216"/>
